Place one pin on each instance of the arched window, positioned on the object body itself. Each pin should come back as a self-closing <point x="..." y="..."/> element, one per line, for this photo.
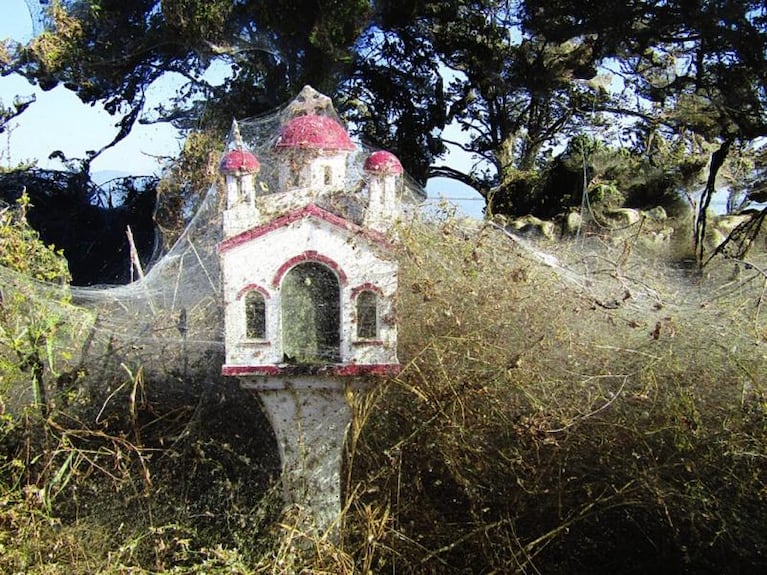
<point x="255" y="315"/>
<point x="328" y="175"/>
<point x="295" y="174"/>
<point x="367" y="315"/>
<point x="311" y="314"/>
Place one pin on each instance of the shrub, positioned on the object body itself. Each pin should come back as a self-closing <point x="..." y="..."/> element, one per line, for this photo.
<point x="553" y="422"/>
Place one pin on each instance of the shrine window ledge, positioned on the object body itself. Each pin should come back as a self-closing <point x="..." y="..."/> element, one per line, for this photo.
<point x="371" y="342"/>
<point x="255" y="342"/>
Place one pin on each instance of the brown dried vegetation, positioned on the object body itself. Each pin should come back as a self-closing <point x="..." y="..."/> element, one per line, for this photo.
<point x="602" y="412"/>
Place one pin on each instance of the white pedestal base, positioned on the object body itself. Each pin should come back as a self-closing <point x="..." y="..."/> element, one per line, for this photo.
<point x="310" y="416"/>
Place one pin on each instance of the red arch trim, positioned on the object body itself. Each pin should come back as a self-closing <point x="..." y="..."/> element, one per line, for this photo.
<point x="253" y="287"/>
<point x="367" y="286"/>
<point x="309" y="256"/>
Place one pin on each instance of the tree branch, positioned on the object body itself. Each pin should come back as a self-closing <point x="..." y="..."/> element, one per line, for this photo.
<point x="717" y="159"/>
<point x="459" y="176"/>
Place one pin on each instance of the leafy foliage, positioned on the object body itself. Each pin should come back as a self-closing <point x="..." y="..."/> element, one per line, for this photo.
<point x="268" y="47"/>
<point x="22" y="251"/>
<point x="505" y="85"/>
<point x="395" y="96"/>
<point x="30" y="329"/>
<point x="698" y="68"/>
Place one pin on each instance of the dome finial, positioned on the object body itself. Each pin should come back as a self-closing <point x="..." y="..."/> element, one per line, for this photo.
<point x="238" y="160"/>
<point x="235" y="136"/>
<point x="309" y="101"/>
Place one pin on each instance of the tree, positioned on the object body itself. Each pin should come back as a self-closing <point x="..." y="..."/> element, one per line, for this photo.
<point x="516" y="80"/>
<point x="110" y="52"/>
<point x="525" y="103"/>
<point x="465" y="65"/>
<point x="69" y="211"/>
<point x="232" y="59"/>
<point x="697" y="67"/>
<point x="404" y="70"/>
<point x="395" y="96"/>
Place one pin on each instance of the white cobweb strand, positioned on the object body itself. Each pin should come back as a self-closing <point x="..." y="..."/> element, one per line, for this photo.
<point x="175" y="313"/>
<point x="177" y="308"/>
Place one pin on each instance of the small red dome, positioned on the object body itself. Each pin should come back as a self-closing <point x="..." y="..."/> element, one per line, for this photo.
<point x="238" y="162"/>
<point x="316" y="133"/>
<point x="383" y="163"/>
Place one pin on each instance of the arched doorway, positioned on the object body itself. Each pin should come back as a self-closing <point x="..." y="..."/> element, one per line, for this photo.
<point x="311" y="314"/>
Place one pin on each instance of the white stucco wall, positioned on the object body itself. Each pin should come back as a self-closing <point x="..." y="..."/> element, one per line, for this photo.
<point x="382" y="206"/>
<point x="258" y="261"/>
<point x="320" y="170"/>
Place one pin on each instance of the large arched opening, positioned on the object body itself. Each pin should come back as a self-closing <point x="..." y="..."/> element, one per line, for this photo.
<point x="311" y="314"/>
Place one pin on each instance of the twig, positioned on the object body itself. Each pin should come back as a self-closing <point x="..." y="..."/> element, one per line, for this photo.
<point x="752" y="266"/>
<point x="178" y="281"/>
<point x="108" y="399"/>
<point x="135" y="260"/>
<point x="544" y="258"/>
<point x="602" y="407"/>
<point x="466" y="537"/>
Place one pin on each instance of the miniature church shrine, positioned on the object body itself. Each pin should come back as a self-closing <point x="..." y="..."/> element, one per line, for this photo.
<point x="309" y="287"/>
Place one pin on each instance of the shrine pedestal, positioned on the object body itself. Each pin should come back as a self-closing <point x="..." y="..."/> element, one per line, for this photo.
<point x="310" y="416"/>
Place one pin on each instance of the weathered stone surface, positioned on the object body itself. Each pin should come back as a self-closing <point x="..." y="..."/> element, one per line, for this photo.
<point x="727" y="223"/>
<point x="532" y="227"/>
<point x="310" y="416"/>
<point x="622" y="216"/>
<point x="659" y="238"/>
<point x="720" y="228"/>
<point x="657" y="214"/>
<point x="572" y="223"/>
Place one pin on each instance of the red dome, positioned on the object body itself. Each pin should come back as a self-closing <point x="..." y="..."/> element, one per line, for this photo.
<point x="383" y="163"/>
<point x="237" y="162"/>
<point x="315" y="133"/>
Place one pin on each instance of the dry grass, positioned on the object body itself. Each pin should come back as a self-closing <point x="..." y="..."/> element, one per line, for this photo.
<point x="607" y="415"/>
<point x="553" y="421"/>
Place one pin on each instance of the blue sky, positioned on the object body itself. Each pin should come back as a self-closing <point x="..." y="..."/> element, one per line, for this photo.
<point x="59" y="121"/>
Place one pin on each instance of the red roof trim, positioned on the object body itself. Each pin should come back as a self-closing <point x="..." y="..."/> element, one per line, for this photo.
<point x="309" y="256"/>
<point x="236" y="370"/>
<point x="311" y="210"/>
<point x="350" y="370"/>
